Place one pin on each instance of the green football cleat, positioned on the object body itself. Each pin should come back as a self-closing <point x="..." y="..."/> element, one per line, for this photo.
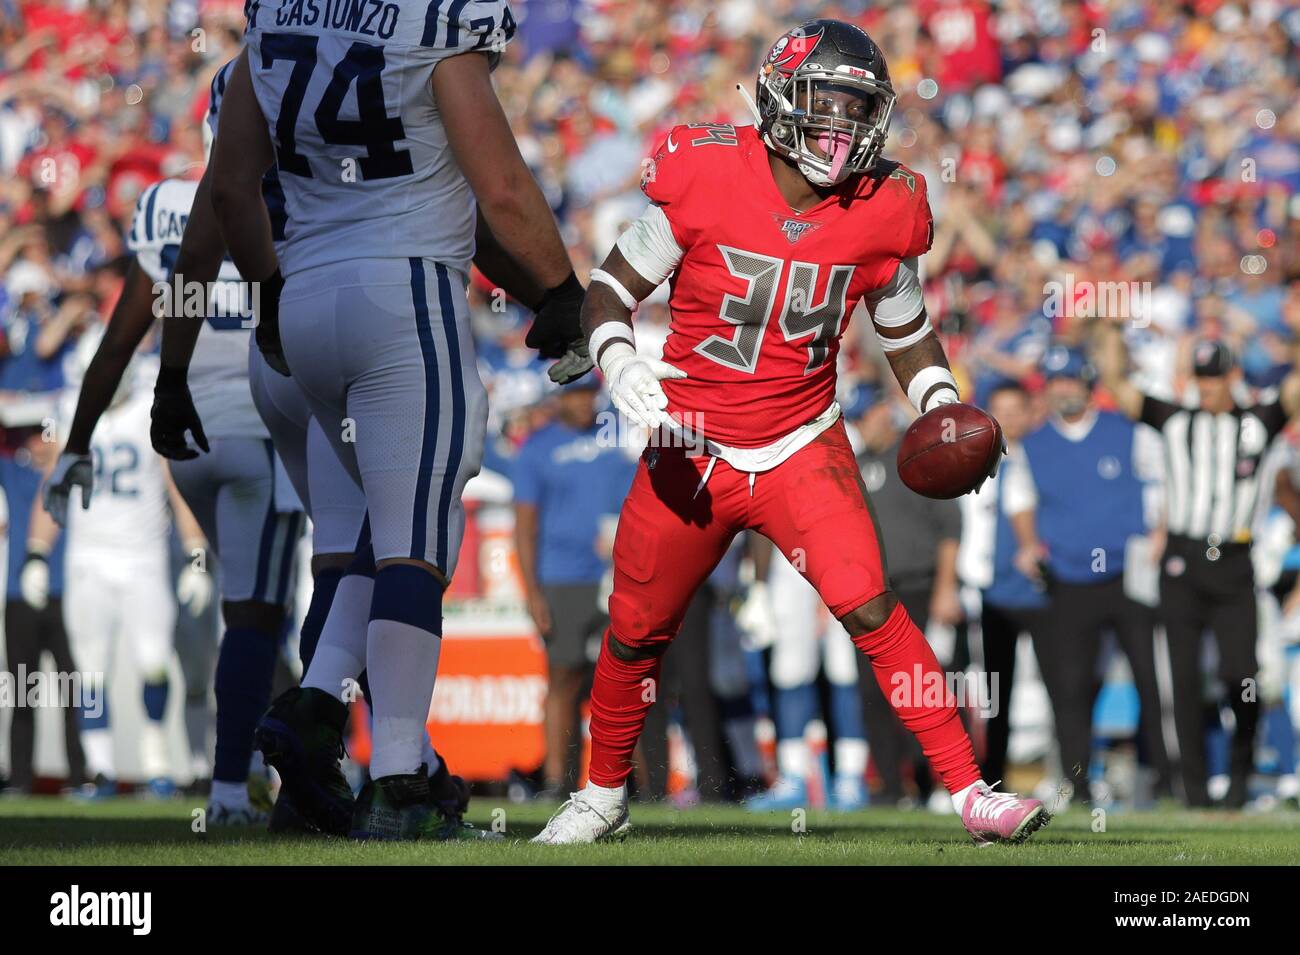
<point x="301" y="735"/>
<point x="407" y="808"/>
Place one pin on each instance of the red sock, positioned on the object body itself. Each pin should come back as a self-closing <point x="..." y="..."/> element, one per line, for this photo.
<point x="622" y="693"/>
<point x="899" y="647"/>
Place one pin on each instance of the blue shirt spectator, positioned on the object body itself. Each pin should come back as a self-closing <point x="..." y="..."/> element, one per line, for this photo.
<point x="574" y="478"/>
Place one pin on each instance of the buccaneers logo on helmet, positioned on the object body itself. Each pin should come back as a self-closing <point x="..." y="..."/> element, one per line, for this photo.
<point x="789" y="52"/>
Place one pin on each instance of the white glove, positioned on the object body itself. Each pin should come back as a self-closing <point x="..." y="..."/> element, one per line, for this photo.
<point x="634" y="384"/>
<point x="34" y="583"/>
<point x="71" y="470"/>
<point x="756" y="618"/>
<point x="194" y="590"/>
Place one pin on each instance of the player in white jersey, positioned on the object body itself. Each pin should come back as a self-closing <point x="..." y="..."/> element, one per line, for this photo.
<point x="117" y="591"/>
<point x="386" y="129"/>
<point x="246" y="507"/>
<point x="333" y="499"/>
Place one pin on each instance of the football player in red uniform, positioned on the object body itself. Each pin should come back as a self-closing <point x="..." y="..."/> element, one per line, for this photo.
<point x="769" y="235"/>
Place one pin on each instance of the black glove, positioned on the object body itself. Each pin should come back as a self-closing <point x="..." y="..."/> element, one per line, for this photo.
<point x="557" y="327"/>
<point x="267" y="333"/>
<point x="173" y="414"/>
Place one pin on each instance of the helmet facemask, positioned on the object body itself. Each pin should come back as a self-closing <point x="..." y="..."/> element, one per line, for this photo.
<point x="831" y="123"/>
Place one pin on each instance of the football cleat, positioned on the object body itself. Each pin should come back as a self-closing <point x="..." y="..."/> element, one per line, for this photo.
<point x="788" y="792"/>
<point x="1001" y="817"/>
<point x="849" y="793"/>
<point x="99" y="788"/>
<point x="405" y="808"/>
<point x="160" y="787"/>
<point x="586" y="818"/>
<point x="286" y="820"/>
<point x="301" y="735"/>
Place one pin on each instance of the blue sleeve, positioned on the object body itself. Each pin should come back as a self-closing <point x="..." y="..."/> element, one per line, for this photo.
<point x="526" y="474"/>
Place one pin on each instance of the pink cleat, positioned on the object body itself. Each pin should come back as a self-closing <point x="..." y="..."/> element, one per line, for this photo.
<point x="1001" y="817"/>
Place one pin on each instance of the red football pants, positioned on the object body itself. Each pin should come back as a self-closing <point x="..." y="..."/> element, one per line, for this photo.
<point x="672" y="532"/>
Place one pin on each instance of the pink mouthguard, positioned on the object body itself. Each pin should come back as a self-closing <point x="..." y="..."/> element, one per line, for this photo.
<point x="837" y="147"/>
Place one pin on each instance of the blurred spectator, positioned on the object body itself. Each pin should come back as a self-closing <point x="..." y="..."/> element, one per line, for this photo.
<point x="569" y="485"/>
<point x="34" y="616"/>
<point x="1075" y="501"/>
<point x="1011" y="604"/>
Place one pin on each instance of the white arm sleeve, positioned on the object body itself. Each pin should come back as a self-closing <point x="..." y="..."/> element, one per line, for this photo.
<point x="1018" y="491"/>
<point x="649" y="246"/>
<point x="899" y="301"/>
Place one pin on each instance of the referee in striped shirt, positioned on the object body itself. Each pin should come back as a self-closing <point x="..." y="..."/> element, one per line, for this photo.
<point x="1212" y="455"/>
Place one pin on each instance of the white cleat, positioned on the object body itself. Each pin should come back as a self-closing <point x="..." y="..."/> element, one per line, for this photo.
<point x="586" y="818"/>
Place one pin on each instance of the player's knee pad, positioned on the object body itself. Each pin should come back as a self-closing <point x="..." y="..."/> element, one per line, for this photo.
<point x="408" y="594"/>
<point x="634" y="652"/>
<point x="871" y="616"/>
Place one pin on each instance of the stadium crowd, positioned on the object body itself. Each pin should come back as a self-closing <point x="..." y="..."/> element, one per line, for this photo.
<point x="1133" y="163"/>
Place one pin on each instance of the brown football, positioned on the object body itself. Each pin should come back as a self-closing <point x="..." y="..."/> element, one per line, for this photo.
<point x="949" y="451"/>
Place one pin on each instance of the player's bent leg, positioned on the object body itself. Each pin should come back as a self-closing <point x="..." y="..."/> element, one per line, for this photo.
<point x="815" y="509"/>
<point x="910" y="677"/>
<point x="338" y="519"/>
<point x="302" y="733"/>
<point x="326" y="573"/>
<point x="400" y="800"/>
<point x="245" y="670"/>
<point x="669" y="540"/>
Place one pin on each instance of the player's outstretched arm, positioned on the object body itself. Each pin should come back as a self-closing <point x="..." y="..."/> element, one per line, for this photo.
<point x="510" y="199"/>
<point x="241" y="156"/>
<point x="131" y="318"/>
<point x="1111" y="357"/>
<point x="633" y="380"/>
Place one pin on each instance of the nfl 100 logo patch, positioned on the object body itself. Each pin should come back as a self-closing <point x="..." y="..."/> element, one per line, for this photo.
<point x="796" y="229"/>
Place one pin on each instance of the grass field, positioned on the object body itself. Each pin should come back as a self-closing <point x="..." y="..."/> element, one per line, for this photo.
<point x="126" y="832"/>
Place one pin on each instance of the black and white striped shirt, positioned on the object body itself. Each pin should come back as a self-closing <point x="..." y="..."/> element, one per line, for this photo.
<point x="1212" y="465"/>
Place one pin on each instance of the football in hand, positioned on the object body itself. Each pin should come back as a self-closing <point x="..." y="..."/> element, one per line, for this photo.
<point x="950" y="450"/>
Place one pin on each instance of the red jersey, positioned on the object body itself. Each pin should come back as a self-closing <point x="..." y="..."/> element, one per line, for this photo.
<point x="763" y="293"/>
